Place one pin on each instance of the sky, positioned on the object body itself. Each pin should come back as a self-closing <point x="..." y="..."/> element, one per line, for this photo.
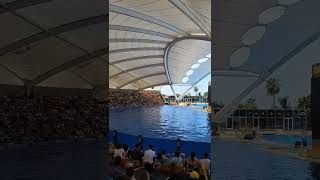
<point x="202" y="87"/>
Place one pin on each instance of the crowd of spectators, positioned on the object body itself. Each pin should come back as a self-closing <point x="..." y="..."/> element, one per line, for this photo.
<point x="125" y="97"/>
<point x="27" y="119"/>
<point x="137" y="165"/>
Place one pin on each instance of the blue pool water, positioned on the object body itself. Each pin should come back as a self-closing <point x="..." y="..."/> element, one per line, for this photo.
<point x="200" y="105"/>
<point x="242" y="161"/>
<point x="286" y="139"/>
<point x="162" y="122"/>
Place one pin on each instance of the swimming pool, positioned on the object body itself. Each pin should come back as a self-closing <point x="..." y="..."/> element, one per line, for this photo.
<point x="286" y="139"/>
<point x="162" y="122"/>
<point x="240" y="161"/>
<point x="200" y="105"/>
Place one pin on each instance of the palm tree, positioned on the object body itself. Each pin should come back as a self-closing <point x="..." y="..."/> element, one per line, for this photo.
<point x="195" y="89"/>
<point x="304" y="102"/>
<point x="273" y="88"/>
<point x="284" y="102"/>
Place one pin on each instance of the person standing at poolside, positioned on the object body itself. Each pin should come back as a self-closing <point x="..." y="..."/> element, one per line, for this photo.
<point x="136" y="155"/>
<point x="115" y="137"/>
<point x="149" y="156"/>
<point x="178" y="145"/>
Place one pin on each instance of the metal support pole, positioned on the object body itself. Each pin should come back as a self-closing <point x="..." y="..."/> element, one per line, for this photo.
<point x="232" y="123"/>
<point x="292" y="124"/>
<point x="175" y="95"/>
<point x="253" y="119"/>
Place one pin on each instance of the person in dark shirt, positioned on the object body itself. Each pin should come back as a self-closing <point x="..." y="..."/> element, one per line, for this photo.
<point x="117" y="170"/>
<point x="136" y="155"/>
<point x="193" y="162"/>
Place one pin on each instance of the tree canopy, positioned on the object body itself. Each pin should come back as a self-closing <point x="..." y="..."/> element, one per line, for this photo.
<point x="273" y="88"/>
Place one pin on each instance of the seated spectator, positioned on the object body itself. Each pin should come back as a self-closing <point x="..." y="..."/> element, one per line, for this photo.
<point x="141" y="174"/>
<point x="206" y="162"/>
<point x="123" y="177"/>
<point x="177" y="159"/>
<point x="130" y="173"/>
<point x="118" y="151"/>
<point x="117" y="169"/>
<point x="177" y="173"/>
<point x="194" y="174"/>
<point x="193" y="162"/>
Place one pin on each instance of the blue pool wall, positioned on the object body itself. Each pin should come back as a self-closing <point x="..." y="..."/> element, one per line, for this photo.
<point x="168" y="145"/>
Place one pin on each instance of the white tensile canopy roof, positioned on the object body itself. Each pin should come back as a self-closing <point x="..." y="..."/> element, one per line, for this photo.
<point x="255" y="37"/>
<point x="56" y="43"/>
<point x="154" y="43"/>
<point x="53" y="43"/>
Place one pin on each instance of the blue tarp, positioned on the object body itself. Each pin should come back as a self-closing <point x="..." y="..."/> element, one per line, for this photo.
<point x="168" y="145"/>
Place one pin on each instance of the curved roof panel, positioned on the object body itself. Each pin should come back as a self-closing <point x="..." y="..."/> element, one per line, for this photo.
<point x="262" y="34"/>
<point x="301" y="20"/>
<point x="258" y="37"/>
<point x="186" y="53"/>
<point x="143" y="51"/>
<point x="53" y="43"/>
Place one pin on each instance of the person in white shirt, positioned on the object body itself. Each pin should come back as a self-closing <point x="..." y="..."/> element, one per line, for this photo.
<point x="118" y="151"/>
<point x="149" y="155"/>
<point x="206" y="162"/>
